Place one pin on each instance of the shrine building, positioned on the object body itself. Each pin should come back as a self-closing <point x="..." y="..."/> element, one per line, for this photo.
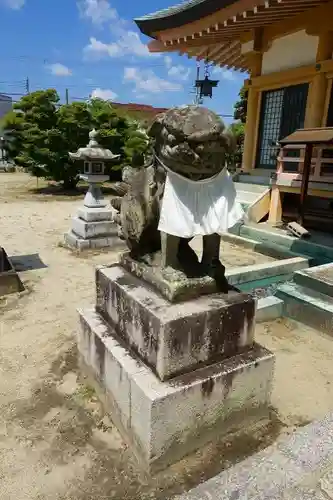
<point x="284" y="45"/>
<point x="284" y="48"/>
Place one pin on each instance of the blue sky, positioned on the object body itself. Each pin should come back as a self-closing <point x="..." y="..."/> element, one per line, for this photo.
<point x="92" y="47"/>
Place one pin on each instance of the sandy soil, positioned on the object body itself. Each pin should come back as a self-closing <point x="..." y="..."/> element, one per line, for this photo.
<point x="55" y="442"/>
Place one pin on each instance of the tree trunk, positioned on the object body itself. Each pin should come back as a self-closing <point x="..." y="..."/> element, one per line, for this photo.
<point x="70" y="183"/>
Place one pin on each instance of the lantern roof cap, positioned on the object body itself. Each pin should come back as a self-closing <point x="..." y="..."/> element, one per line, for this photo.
<point x="93" y="151"/>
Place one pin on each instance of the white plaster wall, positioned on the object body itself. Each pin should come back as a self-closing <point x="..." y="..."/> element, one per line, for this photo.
<point x="290" y="51"/>
<point x="247" y="47"/>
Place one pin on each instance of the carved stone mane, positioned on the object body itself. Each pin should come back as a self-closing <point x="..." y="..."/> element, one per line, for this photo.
<point x="191" y="141"/>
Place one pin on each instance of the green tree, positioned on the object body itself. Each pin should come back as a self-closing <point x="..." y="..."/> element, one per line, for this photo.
<point x="12" y="126"/>
<point x="28" y="126"/>
<point x="118" y="132"/>
<point x="43" y="133"/>
<point x="136" y="145"/>
<point x="240" y="108"/>
<point x="236" y="131"/>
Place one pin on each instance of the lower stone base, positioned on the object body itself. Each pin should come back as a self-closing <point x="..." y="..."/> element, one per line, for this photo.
<point x="9" y="278"/>
<point x="164" y="421"/>
<point x="80" y="244"/>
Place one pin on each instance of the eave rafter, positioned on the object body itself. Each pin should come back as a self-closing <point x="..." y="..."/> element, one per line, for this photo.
<point x="211" y="38"/>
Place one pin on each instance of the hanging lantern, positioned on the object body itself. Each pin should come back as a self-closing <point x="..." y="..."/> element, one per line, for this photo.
<point x="206" y="85"/>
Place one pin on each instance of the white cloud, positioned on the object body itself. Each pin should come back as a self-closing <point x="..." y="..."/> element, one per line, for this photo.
<point x="106" y="94"/>
<point x="168" y="61"/>
<point x="97" y="11"/>
<point x="13" y="4"/>
<point x="148" y="81"/>
<point x="225" y="74"/>
<point x="97" y="49"/>
<point x="129" y="43"/>
<point x="179" y="72"/>
<point x="58" y="69"/>
<point x="126" y="42"/>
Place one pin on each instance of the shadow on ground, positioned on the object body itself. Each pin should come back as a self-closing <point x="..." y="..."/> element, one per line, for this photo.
<point x="31" y="262"/>
<point x="80" y="190"/>
<point x="64" y="423"/>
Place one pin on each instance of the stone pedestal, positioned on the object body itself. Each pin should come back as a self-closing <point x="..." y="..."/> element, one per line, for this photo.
<point x="174" y="338"/>
<point x="173" y="376"/>
<point x="93" y="227"/>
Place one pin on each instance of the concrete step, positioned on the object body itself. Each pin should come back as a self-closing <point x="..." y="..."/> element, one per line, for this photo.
<point x="319" y="279"/>
<point x="254" y="198"/>
<point x="321" y="254"/>
<point x="246" y="198"/>
<point x="307" y="306"/>
<point x="269" y="308"/>
<point x="262" y="180"/>
<point x="250" y="187"/>
<point x="280" y="252"/>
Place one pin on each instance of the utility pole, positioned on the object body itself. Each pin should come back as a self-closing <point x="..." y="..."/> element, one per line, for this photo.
<point x="27" y="85"/>
<point x="67" y="97"/>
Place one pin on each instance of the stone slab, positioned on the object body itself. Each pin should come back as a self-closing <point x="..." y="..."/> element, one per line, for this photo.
<point x="244" y="274"/>
<point x="307" y="306"/>
<point x="269" y="308"/>
<point x="164" y="421"/>
<point x="299" y="467"/>
<point x="174" y="285"/>
<point x="318" y="278"/>
<point x="9" y="278"/>
<point x="174" y="338"/>
<point x="74" y="242"/>
<point x="96" y="229"/>
<point x="322" y="254"/>
<point x="95" y="214"/>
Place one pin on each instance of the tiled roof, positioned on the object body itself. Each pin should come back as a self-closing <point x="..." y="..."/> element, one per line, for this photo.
<point x="93" y="153"/>
<point x="174" y="9"/>
<point x="180" y="14"/>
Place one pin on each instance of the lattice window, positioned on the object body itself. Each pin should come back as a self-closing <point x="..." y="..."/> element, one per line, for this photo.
<point x="282" y="112"/>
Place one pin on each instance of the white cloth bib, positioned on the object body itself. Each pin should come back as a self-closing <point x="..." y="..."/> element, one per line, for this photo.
<point x="193" y="208"/>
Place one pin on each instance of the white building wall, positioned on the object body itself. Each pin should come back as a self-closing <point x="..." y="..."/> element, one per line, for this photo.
<point x="290" y="51"/>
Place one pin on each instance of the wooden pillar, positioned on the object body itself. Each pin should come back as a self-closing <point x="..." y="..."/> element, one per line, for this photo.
<point x="317" y="99"/>
<point x="305" y="183"/>
<point x="275" y="209"/>
<point x="318" y="88"/>
<point x="250" y="129"/>
<point x="253" y="100"/>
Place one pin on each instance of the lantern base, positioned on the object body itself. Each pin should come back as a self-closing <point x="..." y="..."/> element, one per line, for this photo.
<point x="74" y="242"/>
<point x="93" y="228"/>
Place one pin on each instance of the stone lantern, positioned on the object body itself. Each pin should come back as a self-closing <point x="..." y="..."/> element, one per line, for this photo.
<point x="93" y="227"/>
<point x="94" y="158"/>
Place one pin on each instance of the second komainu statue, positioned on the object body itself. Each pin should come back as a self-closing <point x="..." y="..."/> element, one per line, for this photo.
<point x="183" y="191"/>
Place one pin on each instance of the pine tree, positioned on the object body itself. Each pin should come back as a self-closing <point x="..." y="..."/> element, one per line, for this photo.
<point x="43" y="133"/>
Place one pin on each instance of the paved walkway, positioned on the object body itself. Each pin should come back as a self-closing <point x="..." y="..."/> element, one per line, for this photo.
<point x="297" y="468"/>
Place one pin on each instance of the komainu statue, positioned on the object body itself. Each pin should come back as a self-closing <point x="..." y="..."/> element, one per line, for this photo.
<point x="183" y="191"/>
